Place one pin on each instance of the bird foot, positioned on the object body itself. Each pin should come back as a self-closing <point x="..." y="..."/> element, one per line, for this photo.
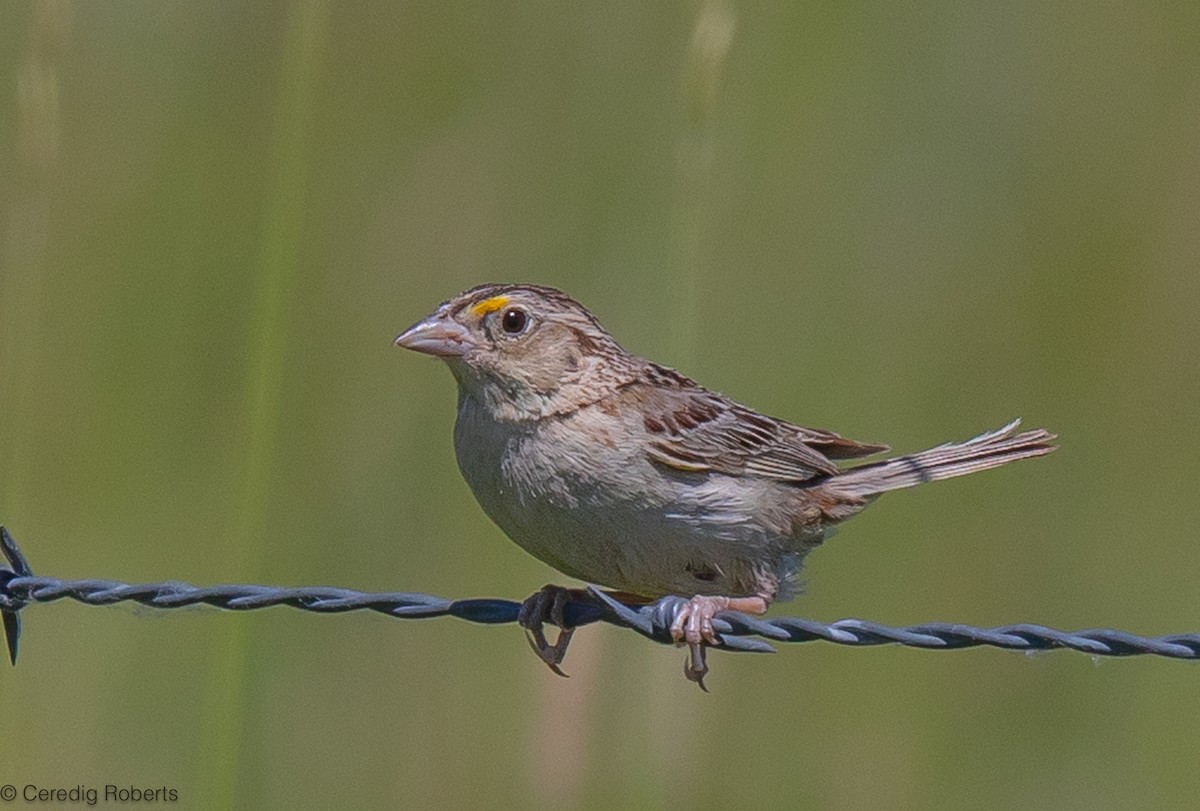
<point x="545" y="606"/>
<point x="693" y="626"/>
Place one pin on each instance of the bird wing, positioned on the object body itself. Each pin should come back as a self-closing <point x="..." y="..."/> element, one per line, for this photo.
<point x="693" y="429"/>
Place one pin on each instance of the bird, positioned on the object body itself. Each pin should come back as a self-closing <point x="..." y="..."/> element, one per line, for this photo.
<point x="624" y="473"/>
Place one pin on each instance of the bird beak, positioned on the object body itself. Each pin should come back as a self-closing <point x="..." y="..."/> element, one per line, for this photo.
<point x="439" y="335"/>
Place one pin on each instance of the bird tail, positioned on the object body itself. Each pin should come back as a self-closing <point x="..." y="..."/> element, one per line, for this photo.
<point x="985" y="451"/>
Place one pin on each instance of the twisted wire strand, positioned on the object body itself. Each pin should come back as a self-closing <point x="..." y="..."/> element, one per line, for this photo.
<point x="736" y="631"/>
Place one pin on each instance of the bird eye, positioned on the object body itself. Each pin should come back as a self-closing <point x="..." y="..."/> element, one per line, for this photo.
<point x="514" y="321"/>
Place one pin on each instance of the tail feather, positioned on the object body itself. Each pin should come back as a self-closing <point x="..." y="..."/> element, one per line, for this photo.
<point x="985" y="451"/>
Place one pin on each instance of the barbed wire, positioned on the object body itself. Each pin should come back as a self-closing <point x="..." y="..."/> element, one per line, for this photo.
<point x="735" y="631"/>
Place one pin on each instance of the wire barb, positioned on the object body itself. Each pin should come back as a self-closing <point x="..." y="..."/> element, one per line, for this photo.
<point x="735" y="631"/>
<point x="10" y="607"/>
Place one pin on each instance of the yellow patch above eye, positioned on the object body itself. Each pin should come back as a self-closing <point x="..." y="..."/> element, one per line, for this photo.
<point x="489" y="305"/>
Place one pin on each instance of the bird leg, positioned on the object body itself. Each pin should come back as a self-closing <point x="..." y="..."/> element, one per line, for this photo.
<point x="693" y="626"/>
<point x="548" y="606"/>
<point x="545" y="606"/>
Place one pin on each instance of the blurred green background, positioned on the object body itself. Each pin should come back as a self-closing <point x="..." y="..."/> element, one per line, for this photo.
<point x="905" y="223"/>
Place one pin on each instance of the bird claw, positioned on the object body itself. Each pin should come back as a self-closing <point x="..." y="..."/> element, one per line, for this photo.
<point x="545" y="606"/>
<point x="552" y="655"/>
<point x="693" y="626"/>
<point x="695" y="666"/>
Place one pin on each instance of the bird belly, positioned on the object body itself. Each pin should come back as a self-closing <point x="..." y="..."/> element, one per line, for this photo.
<point x="599" y="511"/>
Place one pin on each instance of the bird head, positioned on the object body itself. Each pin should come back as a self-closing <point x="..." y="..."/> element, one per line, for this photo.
<point x="524" y="351"/>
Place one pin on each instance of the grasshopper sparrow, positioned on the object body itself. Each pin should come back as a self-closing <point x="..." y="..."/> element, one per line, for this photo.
<point x="621" y="472"/>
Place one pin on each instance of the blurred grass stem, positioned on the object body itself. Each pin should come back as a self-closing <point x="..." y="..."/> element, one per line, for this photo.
<point x="275" y="272"/>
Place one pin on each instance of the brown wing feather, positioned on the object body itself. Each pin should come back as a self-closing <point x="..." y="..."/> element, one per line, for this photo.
<point x="694" y="429"/>
<point x="836" y="446"/>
